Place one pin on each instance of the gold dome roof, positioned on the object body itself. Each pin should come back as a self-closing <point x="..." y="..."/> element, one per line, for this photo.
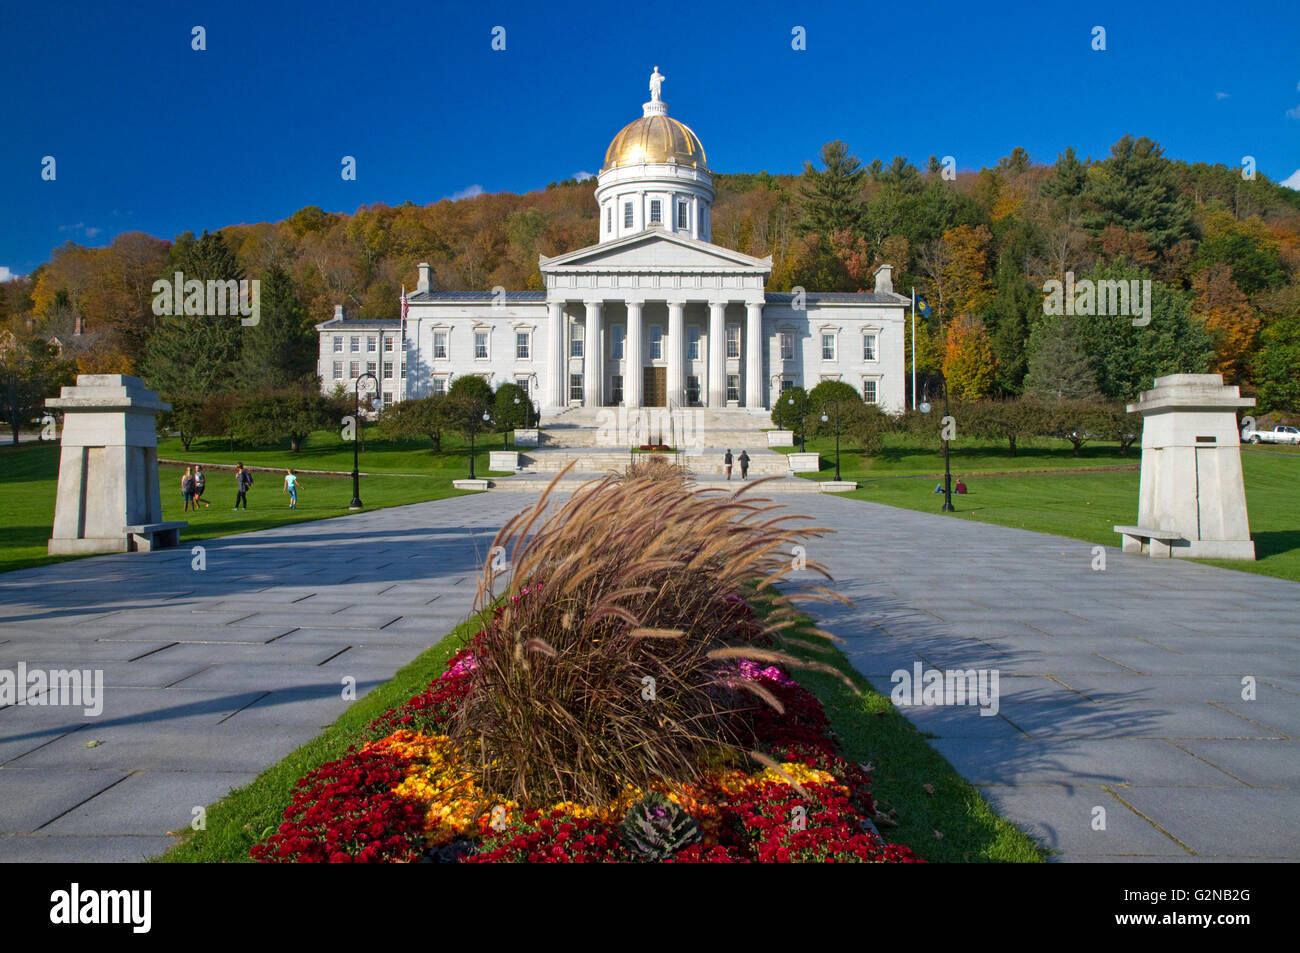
<point x="655" y="139"/>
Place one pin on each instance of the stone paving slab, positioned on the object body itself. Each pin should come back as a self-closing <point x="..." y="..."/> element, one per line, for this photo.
<point x="1149" y="655"/>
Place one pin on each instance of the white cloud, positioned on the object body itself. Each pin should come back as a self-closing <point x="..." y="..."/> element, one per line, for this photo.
<point x="1294" y="113"/>
<point x="469" y="192"/>
<point x="583" y="176"/>
<point x="1292" y="181"/>
<point x="6" y="274"/>
<point x="72" y="228"/>
<point x="1222" y="95"/>
<point x="92" y="232"/>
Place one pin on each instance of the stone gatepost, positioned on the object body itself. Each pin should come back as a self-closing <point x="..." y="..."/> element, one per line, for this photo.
<point x="1192" y="489"/>
<point x="108" y="498"/>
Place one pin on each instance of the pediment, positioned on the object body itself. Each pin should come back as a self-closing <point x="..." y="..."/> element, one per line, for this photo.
<point x="655" y="250"/>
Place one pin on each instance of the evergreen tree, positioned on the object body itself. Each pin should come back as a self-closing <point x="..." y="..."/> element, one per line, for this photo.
<point x="1069" y="178"/>
<point x="832" y="197"/>
<point x="1136" y="189"/>
<point x="1058" y="365"/>
<point x="277" y="352"/>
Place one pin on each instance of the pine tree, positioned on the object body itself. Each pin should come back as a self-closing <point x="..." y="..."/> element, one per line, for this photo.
<point x="276" y="352"/>
<point x="832" y="196"/>
<point x="1059" y="368"/>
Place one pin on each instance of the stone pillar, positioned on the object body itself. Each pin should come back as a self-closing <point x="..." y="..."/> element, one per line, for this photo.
<point x="695" y="216"/>
<point x="1191" y="480"/>
<point x="717" y="354"/>
<point x="593" y="361"/>
<point x="108" y="498"/>
<point x="632" y="370"/>
<point x="676" y="353"/>
<point x="558" y="396"/>
<point x="754" y="355"/>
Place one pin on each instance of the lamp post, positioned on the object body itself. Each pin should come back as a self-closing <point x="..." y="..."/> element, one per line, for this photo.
<point x="356" y="468"/>
<point x="486" y="419"/>
<point x="802" y="412"/>
<point x="836" y="405"/>
<point x="947" y="463"/>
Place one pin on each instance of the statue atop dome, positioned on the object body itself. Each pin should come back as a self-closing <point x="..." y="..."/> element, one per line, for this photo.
<point x="656" y="81"/>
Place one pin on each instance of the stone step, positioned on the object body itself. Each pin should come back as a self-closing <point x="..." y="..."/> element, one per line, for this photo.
<point x="598" y="460"/>
<point x="537" y="482"/>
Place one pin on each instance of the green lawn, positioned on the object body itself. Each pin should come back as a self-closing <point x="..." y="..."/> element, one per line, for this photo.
<point x="29" y="474"/>
<point x="1087" y="506"/>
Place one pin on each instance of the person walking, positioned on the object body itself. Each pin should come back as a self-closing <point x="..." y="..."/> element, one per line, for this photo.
<point x="291" y="487"/>
<point x="187" y="490"/>
<point x="200" y="483"/>
<point x="726" y="462"/>
<point x="243" y="480"/>
<point x="744" y="465"/>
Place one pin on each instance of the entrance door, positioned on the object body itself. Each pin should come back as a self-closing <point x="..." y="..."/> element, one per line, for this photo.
<point x="655" y="390"/>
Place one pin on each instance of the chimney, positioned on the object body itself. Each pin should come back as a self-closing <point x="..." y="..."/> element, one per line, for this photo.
<point x="426" y="277"/>
<point x="338" y="312"/>
<point x="885" y="279"/>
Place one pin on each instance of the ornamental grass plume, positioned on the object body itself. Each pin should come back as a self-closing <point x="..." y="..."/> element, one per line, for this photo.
<point x="612" y="656"/>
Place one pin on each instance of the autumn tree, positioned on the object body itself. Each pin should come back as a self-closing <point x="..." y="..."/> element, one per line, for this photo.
<point x="1229" y="318"/>
<point x="968" y="365"/>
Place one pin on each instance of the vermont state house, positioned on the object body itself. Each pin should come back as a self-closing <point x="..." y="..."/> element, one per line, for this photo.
<point x="652" y="315"/>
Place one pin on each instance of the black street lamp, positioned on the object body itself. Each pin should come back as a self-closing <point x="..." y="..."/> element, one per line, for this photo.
<point x="486" y="419"/>
<point x="802" y="412"/>
<point x="356" y="439"/>
<point x="947" y="462"/>
<point x="836" y="405"/>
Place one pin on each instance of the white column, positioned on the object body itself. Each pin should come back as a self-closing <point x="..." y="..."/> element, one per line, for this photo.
<point x="555" y="335"/>
<point x="632" y="356"/>
<point x="695" y="216"/>
<point x="754" y="355"/>
<point x="593" y="361"/>
<point x="717" y="354"/>
<point x="676" y="353"/>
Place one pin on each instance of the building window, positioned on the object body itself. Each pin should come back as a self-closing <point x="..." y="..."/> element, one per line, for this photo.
<point x="403" y="369"/>
<point x="522" y="345"/>
<point x="388" y="345"/>
<point x="869" y="392"/>
<point x="388" y="398"/>
<point x="656" y="343"/>
<point x="388" y="370"/>
<point x="733" y="340"/>
<point x="338" y="370"/>
<point x="733" y="387"/>
<point x="575" y="387"/>
<point x="371" y="367"/>
<point x="616" y="390"/>
<point x="480" y="345"/>
<point x="522" y="384"/>
<point x="656" y="212"/>
<point x="787" y="345"/>
<point x="692" y="389"/>
<point x="439" y="386"/>
<point x="627" y="214"/>
<point x="616" y="342"/>
<point x="609" y="219"/>
<point x="338" y="343"/>
<point x="683" y="216"/>
<point x="355" y="368"/>
<point x="868" y="347"/>
<point x="786" y="384"/>
<point x="371" y="344"/>
<point x="439" y="345"/>
<point x="693" y="343"/>
<point x="828" y="347"/>
<point x="355" y="345"/>
<point x="575" y="341"/>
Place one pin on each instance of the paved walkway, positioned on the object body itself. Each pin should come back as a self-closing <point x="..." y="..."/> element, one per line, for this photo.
<point x="210" y="677"/>
<point x="1118" y="689"/>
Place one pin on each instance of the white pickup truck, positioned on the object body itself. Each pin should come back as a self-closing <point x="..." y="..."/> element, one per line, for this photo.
<point x="1278" y="434"/>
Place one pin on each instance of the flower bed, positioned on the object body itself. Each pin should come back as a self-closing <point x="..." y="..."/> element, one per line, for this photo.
<point x="623" y="702"/>
<point x="406" y="796"/>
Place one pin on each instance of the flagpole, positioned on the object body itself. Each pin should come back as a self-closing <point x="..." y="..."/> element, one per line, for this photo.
<point x="914" y="348"/>
<point x="402" y="354"/>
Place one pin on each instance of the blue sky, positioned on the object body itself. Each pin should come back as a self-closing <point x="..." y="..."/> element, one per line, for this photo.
<point x="148" y="134"/>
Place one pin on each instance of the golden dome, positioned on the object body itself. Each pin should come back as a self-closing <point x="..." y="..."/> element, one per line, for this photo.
<point x="655" y="139"/>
